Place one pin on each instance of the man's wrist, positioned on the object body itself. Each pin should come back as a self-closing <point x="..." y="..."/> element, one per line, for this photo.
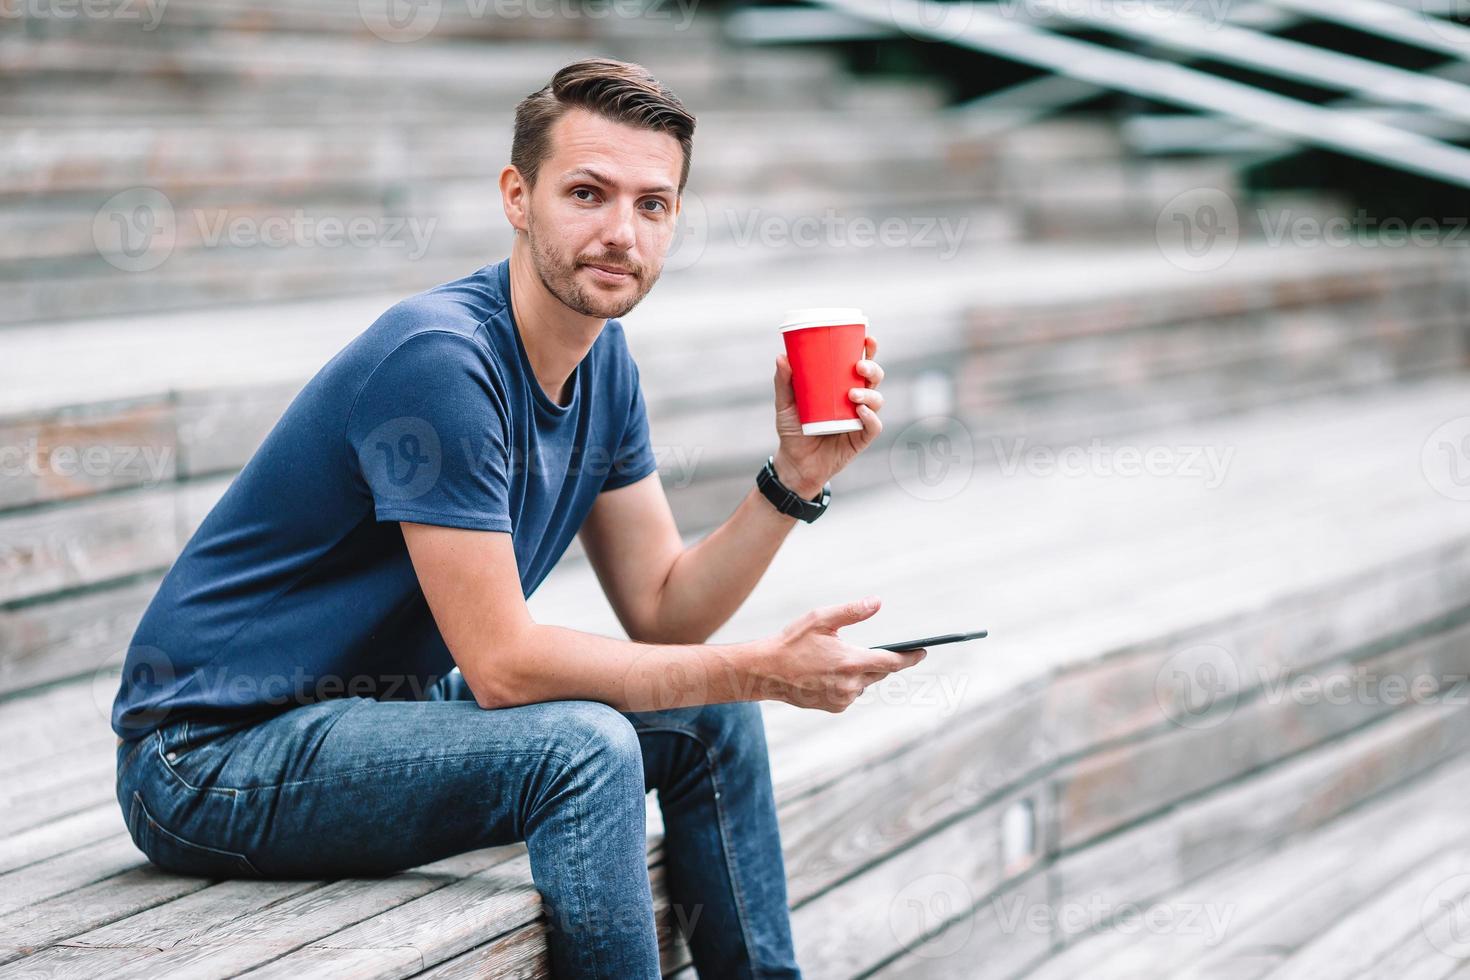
<point x="792" y="479"/>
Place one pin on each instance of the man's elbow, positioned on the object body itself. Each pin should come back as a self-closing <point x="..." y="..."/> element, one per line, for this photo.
<point x="493" y="677"/>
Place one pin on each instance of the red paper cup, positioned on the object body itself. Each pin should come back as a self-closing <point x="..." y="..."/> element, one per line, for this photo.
<point x="824" y="345"/>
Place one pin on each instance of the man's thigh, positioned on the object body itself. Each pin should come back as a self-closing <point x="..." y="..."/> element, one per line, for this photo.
<point x="354" y="785"/>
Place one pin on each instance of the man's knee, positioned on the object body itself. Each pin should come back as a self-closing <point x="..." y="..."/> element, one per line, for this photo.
<point x="732" y="730"/>
<point x="591" y="733"/>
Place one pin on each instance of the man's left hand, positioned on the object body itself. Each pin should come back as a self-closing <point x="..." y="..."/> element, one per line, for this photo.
<point x="804" y="463"/>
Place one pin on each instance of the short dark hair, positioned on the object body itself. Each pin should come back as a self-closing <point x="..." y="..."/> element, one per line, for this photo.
<point x="617" y="90"/>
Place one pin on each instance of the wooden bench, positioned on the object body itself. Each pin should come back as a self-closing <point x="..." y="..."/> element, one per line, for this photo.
<point x="1038" y="763"/>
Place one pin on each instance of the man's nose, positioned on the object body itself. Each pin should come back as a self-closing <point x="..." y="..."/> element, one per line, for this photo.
<point x="618" y="233"/>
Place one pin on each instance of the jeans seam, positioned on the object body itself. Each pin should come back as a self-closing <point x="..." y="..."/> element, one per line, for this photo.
<point x="735" y="890"/>
<point x="163" y="758"/>
<point x="184" y="842"/>
<point x="496" y="753"/>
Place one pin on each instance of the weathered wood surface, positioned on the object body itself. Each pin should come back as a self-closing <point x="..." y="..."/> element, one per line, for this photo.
<point x="1288" y="590"/>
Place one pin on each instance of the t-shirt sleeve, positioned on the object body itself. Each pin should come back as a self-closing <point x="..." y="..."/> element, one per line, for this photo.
<point x="428" y="434"/>
<point x="634" y="458"/>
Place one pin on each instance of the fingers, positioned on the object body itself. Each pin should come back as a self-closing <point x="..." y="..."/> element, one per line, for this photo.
<point x="834" y="617"/>
<point x="871" y="397"/>
<point x="872" y="425"/>
<point x="895" y="660"/>
<point x="785" y="394"/>
<point x="871" y="370"/>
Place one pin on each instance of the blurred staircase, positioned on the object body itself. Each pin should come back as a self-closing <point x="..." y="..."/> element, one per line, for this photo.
<point x="1027" y="297"/>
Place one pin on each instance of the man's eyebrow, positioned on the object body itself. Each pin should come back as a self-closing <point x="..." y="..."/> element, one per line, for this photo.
<point x="607" y="181"/>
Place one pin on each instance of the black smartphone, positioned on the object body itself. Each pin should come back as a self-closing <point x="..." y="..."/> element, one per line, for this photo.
<point x="932" y="641"/>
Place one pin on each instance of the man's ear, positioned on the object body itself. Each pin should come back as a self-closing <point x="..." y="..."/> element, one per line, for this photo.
<point x="515" y="197"/>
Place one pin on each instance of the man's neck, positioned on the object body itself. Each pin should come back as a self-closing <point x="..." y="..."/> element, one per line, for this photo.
<point x="556" y="338"/>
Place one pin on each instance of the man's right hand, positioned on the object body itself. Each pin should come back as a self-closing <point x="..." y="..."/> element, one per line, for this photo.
<point x="810" y="666"/>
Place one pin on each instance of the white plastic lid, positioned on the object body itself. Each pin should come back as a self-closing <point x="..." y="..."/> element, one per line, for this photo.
<point x="821" y="316"/>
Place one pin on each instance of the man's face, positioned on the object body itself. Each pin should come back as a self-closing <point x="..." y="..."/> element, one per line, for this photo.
<point x="601" y="214"/>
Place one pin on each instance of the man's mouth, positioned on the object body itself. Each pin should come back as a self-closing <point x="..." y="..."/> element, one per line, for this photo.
<point x="610" y="273"/>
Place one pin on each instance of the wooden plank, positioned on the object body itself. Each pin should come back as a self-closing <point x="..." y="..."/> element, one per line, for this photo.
<point x="1118" y="786"/>
<point x="60" y="835"/>
<point x="1280" y="899"/>
<point x="241" y="920"/>
<point x="37" y="796"/>
<point x="89" y="542"/>
<point x="32" y="928"/>
<point x="411" y="937"/>
<point x="66" y="872"/>
<point x="86" y="450"/>
<point x="1368" y="938"/>
<point x="1153" y="859"/>
<point x="47" y="641"/>
<point x="996" y="940"/>
<point x="864" y="920"/>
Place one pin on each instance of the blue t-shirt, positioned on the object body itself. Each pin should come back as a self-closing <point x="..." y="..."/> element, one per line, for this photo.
<point x="298" y="587"/>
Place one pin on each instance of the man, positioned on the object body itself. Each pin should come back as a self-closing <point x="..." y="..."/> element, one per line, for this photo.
<point x="289" y="705"/>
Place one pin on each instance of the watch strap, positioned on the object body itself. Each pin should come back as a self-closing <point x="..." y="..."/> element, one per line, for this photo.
<point x="786" y="500"/>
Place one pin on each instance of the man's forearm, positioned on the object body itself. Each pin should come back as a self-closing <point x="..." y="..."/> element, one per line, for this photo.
<point x="553" y="663"/>
<point x="710" y="579"/>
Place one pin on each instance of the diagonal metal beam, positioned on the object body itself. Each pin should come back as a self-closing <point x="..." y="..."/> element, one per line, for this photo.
<point x="1274" y="55"/>
<point x="979" y="27"/>
<point x="1390" y="21"/>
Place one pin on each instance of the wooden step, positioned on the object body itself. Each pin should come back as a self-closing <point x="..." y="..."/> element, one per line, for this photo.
<point x="1028" y="724"/>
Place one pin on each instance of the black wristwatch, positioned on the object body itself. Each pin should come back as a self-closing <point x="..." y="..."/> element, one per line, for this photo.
<point x="786" y="500"/>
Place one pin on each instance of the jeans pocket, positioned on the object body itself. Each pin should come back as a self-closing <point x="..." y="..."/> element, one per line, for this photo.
<point x="170" y="852"/>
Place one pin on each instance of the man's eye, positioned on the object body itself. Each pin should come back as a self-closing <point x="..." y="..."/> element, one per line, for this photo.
<point x="655" y="205"/>
<point x="583" y="190"/>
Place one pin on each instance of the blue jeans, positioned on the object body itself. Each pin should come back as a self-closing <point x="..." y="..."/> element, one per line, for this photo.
<point x="352" y="787"/>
